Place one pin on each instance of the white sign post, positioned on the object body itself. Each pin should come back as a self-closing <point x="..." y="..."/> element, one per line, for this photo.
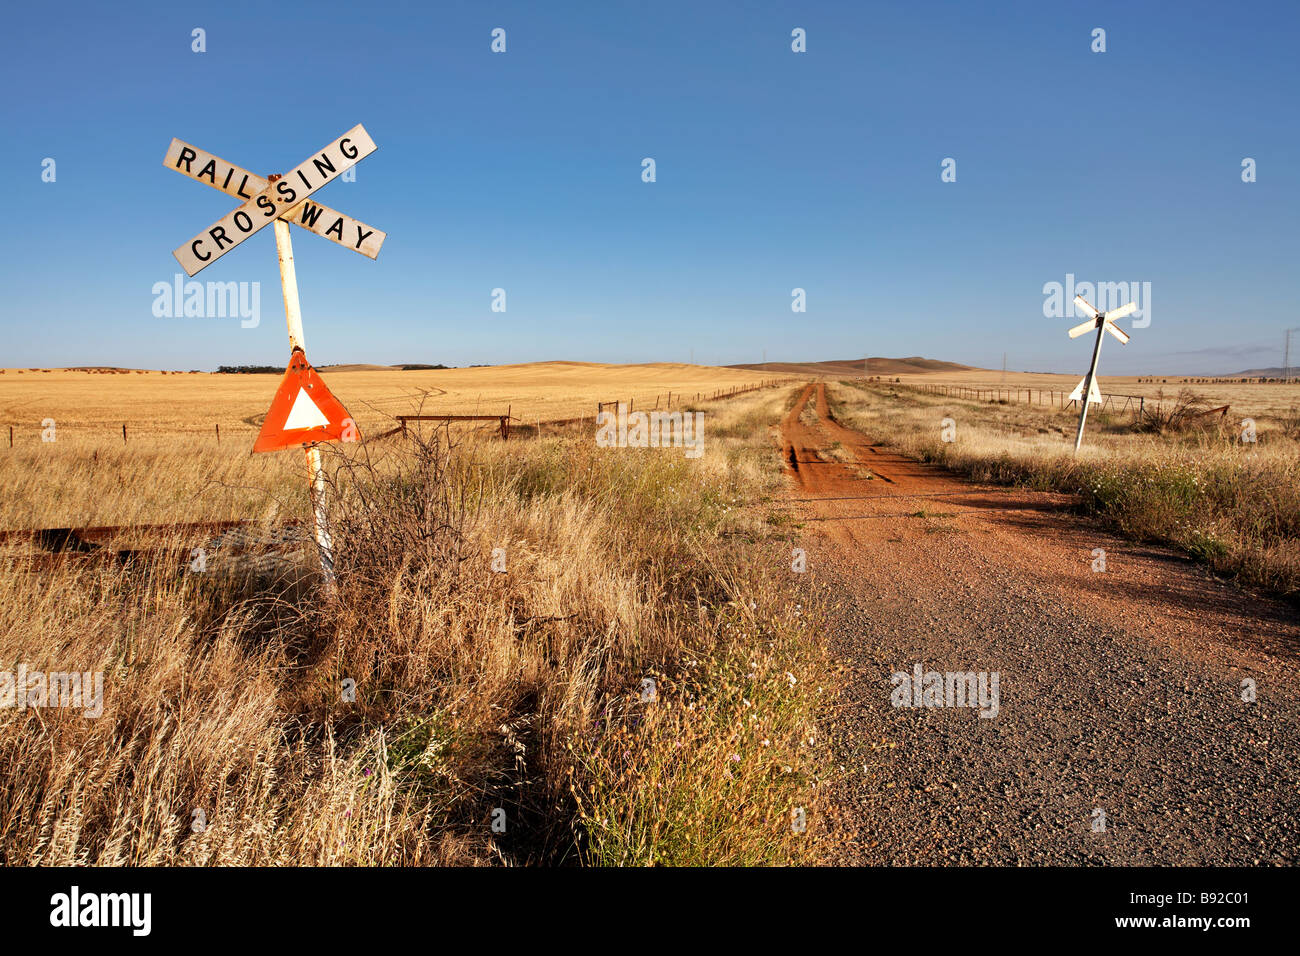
<point x="281" y="200"/>
<point x="1086" y="391"/>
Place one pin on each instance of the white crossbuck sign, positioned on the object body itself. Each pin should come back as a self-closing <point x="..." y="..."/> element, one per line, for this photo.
<point x="266" y="201"/>
<point x="1086" y="392"/>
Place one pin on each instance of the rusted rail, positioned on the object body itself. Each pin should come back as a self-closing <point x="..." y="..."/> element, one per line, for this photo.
<point x="49" y="548"/>
<point x="56" y="539"/>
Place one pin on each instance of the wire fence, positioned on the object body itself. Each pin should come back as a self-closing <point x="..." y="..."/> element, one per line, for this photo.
<point x="1114" y="402"/>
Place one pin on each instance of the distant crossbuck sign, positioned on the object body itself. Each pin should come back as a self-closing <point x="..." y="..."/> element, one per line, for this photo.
<point x="266" y="201"/>
<point x="1086" y="392"/>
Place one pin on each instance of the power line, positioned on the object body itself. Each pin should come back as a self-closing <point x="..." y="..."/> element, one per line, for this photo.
<point x="1286" y="355"/>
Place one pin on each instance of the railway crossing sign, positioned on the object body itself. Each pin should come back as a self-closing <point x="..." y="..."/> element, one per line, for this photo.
<point x="303" y="412"/>
<point x="1103" y="322"/>
<point x="204" y="167"/>
<point x="273" y="200"/>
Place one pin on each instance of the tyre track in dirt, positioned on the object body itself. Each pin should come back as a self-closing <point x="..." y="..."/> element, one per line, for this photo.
<point x="1119" y="691"/>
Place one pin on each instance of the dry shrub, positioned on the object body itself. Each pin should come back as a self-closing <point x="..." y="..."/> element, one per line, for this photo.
<point x="1289" y="423"/>
<point x="1186" y="413"/>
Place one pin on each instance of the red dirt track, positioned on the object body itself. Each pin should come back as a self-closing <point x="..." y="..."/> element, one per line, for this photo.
<point x="1120" y="692"/>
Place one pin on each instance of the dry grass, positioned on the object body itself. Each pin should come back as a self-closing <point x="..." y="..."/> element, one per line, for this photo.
<point x="475" y="691"/>
<point x="1233" y="504"/>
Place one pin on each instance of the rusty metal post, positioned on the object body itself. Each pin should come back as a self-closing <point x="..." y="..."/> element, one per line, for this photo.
<point x="124" y="433"/>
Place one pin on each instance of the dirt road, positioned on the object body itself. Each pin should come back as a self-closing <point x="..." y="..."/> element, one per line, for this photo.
<point x="1119" y="694"/>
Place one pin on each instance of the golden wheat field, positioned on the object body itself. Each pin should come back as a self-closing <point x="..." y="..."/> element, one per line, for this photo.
<point x="171" y="467"/>
<point x="97" y="404"/>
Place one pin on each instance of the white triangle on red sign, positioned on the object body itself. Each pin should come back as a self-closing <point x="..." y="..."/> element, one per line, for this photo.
<point x="304" y="413"/>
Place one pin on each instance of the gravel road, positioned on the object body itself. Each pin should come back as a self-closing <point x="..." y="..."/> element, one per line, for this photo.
<point x="1120" y="692"/>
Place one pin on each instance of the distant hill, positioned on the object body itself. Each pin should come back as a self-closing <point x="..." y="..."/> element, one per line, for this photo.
<point x="364" y="367"/>
<point x="249" y="370"/>
<point x="855" y="367"/>
<point x="1275" y="372"/>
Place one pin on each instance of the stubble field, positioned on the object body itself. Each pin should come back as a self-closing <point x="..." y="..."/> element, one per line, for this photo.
<point x="173" y="468"/>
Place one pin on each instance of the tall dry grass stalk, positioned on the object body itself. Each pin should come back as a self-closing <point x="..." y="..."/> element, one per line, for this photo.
<point x="228" y="736"/>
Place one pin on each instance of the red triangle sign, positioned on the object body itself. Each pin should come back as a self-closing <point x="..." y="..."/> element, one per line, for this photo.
<point x="304" y="411"/>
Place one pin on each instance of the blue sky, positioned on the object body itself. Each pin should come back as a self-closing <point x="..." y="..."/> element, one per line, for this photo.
<point x="775" y="170"/>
